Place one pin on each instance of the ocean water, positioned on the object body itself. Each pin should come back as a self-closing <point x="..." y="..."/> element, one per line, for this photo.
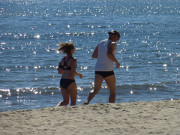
<point x="30" y="30"/>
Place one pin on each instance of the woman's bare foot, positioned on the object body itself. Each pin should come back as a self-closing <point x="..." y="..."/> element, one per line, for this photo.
<point x="59" y="104"/>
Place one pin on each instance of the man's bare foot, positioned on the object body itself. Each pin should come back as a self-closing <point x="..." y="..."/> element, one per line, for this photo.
<point x="86" y="103"/>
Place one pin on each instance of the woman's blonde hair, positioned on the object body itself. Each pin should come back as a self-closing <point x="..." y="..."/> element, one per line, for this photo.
<point x="66" y="47"/>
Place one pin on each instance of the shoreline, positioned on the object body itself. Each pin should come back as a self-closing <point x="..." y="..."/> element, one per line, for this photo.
<point x="137" y="118"/>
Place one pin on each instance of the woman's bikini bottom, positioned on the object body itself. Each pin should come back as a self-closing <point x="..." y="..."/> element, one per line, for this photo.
<point x="64" y="83"/>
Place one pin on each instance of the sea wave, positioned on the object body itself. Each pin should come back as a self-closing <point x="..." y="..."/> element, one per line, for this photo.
<point x="121" y="89"/>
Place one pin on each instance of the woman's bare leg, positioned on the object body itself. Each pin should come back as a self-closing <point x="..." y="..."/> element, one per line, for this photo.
<point x="65" y="96"/>
<point x="111" y="83"/>
<point x="97" y="86"/>
<point x="72" y="89"/>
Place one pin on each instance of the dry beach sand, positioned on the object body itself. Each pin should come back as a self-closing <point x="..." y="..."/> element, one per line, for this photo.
<point x="138" y="118"/>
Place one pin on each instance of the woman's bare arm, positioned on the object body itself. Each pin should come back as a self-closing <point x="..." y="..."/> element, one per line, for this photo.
<point x="73" y="68"/>
<point x="60" y="70"/>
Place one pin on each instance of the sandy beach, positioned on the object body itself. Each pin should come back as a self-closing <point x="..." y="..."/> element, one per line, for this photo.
<point x="138" y="118"/>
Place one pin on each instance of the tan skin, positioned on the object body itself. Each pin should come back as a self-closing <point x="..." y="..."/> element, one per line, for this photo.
<point x="110" y="80"/>
<point x="71" y="91"/>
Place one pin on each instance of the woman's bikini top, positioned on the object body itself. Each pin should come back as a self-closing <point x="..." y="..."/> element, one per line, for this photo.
<point x="65" y="66"/>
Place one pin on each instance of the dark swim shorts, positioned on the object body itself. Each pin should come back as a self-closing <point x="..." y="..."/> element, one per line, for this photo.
<point x="104" y="74"/>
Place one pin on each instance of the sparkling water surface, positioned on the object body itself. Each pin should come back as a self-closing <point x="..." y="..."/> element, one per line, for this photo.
<point x="149" y="49"/>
